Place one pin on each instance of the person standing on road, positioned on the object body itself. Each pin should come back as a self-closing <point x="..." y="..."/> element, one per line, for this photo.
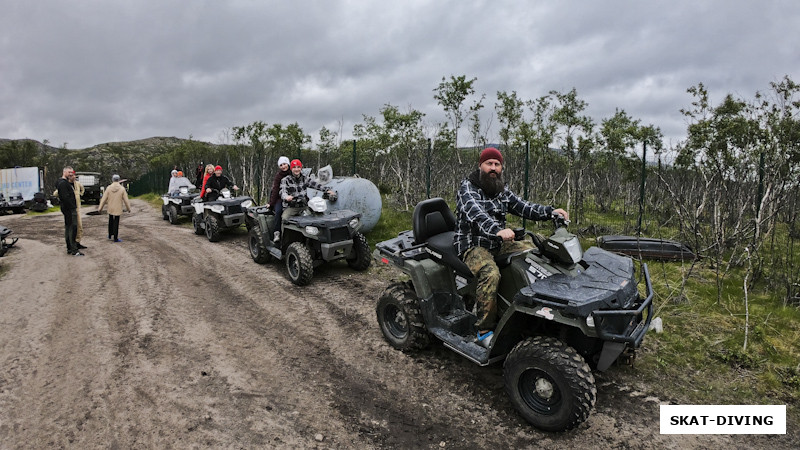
<point x="69" y="208"/>
<point x="482" y="202"/>
<point x="116" y="197"/>
<point x="79" y="191"/>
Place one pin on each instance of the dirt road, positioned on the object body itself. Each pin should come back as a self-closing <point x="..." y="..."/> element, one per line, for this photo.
<point x="166" y="340"/>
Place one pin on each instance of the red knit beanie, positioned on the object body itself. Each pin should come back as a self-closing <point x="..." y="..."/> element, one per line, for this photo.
<point x="217" y="168"/>
<point x="295" y="163"/>
<point x="491" y="153"/>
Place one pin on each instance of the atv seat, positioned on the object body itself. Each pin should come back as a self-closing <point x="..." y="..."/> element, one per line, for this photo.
<point x="434" y="225"/>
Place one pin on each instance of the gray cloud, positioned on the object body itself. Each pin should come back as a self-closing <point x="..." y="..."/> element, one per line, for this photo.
<point x="87" y="72"/>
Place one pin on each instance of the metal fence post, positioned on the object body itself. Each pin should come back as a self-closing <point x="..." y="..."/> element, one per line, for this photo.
<point x="641" y="189"/>
<point x="428" y="171"/>
<point x="354" y="157"/>
<point x="527" y="163"/>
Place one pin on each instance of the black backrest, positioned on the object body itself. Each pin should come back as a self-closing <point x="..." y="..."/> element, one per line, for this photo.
<point x="430" y="218"/>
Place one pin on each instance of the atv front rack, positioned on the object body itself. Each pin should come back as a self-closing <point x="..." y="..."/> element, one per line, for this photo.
<point x="637" y="325"/>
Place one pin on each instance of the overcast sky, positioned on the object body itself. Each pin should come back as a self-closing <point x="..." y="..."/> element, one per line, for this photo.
<point x="89" y="72"/>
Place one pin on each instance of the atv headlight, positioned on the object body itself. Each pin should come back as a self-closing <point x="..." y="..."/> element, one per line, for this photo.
<point x="590" y="321"/>
<point x="313" y="231"/>
<point x="353" y="222"/>
<point x="217" y="208"/>
<point x="247" y="203"/>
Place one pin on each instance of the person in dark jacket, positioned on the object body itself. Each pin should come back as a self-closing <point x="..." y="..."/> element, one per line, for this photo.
<point x="199" y="172"/>
<point x="216" y="183"/>
<point x="69" y="208"/>
<point x="275" y="203"/>
<point x="482" y="202"/>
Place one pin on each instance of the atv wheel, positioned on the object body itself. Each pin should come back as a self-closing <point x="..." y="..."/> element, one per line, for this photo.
<point x="212" y="228"/>
<point x="400" y="318"/>
<point x="258" y="251"/>
<point x="299" y="264"/>
<point x="164" y="212"/>
<point x="196" y="220"/>
<point x="361" y="257"/>
<point x="172" y="214"/>
<point x="549" y="383"/>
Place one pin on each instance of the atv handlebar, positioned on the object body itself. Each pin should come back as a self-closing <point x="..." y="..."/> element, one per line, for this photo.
<point x="331" y="197"/>
<point x="298" y="202"/>
<point x="559" y="220"/>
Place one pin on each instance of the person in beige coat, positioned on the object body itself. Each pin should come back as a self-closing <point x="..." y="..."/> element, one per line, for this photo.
<point x="117" y="199"/>
<point x="79" y="191"/>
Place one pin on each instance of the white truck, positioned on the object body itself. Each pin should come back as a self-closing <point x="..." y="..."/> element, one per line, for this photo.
<point x="23" y="180"/>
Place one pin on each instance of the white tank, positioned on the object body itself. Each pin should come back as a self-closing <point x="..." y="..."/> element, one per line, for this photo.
<point x="356" y="194"/>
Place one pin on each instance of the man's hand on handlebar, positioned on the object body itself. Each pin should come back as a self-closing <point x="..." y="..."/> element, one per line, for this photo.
<point x="506" y="234"/>
<point x="562" y="213"/>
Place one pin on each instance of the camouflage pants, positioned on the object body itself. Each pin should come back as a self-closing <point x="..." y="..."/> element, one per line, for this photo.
<point x="481" y="263"/>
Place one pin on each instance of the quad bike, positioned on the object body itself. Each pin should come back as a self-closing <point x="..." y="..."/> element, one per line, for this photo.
<point x="5" y="245"/>
<point x="309" y="240"/>
<point x="561" y="311"/>
<point x="178" y="205"/>
<point x="224" y="213"/>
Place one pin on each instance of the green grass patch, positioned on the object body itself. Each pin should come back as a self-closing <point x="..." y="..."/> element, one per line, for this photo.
<point x="702" y="351"/>
<point x="46" y="211"/>
<point x="153" y="199"/>
<point x="391" y="223"/>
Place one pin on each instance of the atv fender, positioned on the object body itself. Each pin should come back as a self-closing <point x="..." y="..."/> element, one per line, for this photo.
<point x="429" y="276"/>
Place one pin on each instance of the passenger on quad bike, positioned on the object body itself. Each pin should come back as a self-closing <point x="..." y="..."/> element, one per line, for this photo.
<point x="482" y="202"/>
<point x="275" y="202"/>
<point x="176" y="182"/>
<point x="293" y="192"/>
<point x="216" y="183"/>
<point x="208" y="173"/>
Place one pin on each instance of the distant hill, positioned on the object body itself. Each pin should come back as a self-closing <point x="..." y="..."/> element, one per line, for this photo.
<point x="130" y="159"/>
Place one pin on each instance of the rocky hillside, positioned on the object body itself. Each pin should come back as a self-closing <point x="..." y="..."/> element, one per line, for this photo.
<point x="129" y="159"/>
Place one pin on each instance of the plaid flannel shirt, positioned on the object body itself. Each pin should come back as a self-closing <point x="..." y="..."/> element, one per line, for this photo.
<point x="479" y="218"/>
<point x="296" y="187"/>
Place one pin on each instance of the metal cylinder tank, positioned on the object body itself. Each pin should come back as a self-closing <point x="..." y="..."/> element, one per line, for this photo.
<point x="356" y="194"/>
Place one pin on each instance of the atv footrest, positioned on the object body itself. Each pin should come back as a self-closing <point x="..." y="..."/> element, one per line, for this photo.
<point x="458" y="320"/>
<point x="464" y="345"/>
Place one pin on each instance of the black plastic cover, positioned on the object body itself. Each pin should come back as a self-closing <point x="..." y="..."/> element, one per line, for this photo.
<point x="330" y="219"/>
<point x="608" y="283"/>
<point x="647" y="248"/>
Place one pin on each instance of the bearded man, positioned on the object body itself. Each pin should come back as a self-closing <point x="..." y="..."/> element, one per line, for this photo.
<point x="482" y="202"/>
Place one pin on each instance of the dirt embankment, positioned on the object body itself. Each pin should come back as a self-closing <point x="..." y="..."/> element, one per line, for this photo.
<point x="167" y="340"/>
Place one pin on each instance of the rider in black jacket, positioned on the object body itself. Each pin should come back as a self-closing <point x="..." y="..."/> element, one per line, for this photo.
<point x="216" y="183"/>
